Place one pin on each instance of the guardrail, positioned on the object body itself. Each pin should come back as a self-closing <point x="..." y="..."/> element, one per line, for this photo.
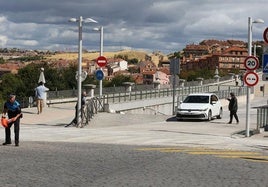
<point x="262" y="117"/>
<point x="92" y="107"/>
<point x="64" y="96"/>
<point x="222" y="91"/>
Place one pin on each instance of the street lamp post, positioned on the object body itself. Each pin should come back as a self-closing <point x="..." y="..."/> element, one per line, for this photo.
<point x="250" y="22"/>
<point x="255" y="49"/>
<point x="100" y="29"/>
<point x="80" y="22"/>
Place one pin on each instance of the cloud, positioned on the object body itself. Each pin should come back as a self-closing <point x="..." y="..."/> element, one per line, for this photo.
<point x="3" y="41"/>
<point x="164" y="25"/>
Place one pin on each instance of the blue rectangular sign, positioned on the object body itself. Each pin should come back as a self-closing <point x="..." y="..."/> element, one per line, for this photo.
<point x="265" y="63"/>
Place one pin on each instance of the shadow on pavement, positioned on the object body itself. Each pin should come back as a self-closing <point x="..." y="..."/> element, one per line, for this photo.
<point x="172" y="119"/>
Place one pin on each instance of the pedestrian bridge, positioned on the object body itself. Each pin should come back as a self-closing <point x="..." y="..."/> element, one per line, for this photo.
<point x="158" y="101"/>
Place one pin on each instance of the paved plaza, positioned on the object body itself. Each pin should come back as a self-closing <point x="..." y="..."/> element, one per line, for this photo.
<point x="140" y="129"/>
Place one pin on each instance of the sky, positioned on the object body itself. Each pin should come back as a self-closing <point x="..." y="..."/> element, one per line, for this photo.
<point x="150" y="25"/>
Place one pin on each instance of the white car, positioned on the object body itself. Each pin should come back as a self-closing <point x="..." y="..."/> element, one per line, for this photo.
<point x="204" y="106"/>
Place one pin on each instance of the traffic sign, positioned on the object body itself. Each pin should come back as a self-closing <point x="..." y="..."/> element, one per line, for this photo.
<point x="251" y="78"/>
<point x="101" y="61"/>
<point x="265" y="35"/>
<point x="83" y="75"/>
<point x="265" y="63"/>
<point x="99" y="74"/>
<point x="251" y="63"/>
<point x="174" y="67"/>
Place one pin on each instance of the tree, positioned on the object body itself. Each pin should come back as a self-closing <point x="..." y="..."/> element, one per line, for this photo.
<point x="29" y="76"/>
<point x="68" y="75"/>
<point x="2" y="61"/>
<point x="12" y="84"/>
<point x="175" y="55"/>
<point x="118" y="80"/>
<point x="133" y="61"/>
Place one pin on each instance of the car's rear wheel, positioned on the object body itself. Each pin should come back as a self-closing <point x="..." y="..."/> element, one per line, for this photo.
<point x="220" y="114"/>
<point x="209" y="115"/>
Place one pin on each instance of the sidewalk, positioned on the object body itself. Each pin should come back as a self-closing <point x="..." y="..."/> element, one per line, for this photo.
<point x="149" y="130"/>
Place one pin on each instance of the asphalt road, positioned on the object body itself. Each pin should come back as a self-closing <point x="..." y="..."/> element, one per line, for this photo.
<point x="133" y="150"/>
<point x="48" y="164"/>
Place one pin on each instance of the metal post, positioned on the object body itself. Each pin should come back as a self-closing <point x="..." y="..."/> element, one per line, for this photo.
<point x="174" y="92"/>
<point x="248" y="88"/>
<point x="79" y="86"/>
<point x="101" y="54"/>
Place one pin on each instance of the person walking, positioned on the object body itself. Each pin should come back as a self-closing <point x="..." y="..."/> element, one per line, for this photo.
<point x="233" y="107"/>
<point x="13" y="110"/>
<point x="83" y="103"/>
<point x="40" y="96"/>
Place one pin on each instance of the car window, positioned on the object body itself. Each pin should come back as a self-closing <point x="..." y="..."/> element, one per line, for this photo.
<point x="196" y="99"/>
<point x="214" y="98"/>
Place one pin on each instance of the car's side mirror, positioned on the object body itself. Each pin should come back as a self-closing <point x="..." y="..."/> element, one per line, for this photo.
<point x="213" y="102"/>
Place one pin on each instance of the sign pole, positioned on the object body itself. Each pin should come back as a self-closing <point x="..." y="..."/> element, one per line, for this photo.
<point x="174" y="69"/>
<point x="248" y="88"/>
<point x="101" y="53"/>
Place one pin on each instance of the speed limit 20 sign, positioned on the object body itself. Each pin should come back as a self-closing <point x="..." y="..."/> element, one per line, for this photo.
<point x="251" y="63"/>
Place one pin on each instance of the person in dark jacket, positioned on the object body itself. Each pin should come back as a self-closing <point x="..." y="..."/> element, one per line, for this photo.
<point x="83" y="103"/>
<point x="233" y="107"/>
<point x="13" y="110"/>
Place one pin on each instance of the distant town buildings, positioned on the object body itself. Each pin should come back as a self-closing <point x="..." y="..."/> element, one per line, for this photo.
<point x="226" y="55"/>
<point x="208" y="54"/>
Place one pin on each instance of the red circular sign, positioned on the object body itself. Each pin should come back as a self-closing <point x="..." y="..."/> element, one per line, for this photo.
<point x="101" y="61"/>
<point x="251" y="78"/>
<point x="265" y="35"/>
<point x="251" y="63"/>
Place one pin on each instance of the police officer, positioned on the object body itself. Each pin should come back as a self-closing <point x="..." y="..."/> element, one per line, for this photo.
<point x="13" y="110"/>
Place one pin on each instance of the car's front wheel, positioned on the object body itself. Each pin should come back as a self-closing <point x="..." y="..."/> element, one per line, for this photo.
<point x="209" y="115"/>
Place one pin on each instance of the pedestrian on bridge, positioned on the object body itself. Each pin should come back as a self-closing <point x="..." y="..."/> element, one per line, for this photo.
<point x="40" y="94"/>
<point x="233" y="107"/>
<point x="83" y="103"/>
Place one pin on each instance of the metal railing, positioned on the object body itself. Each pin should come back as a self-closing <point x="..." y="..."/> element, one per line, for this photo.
<point x="262" y="117"/>
<point x="223" y="91"/>
<point x="92" y="107"/>
<point x="116" y="97"/>
<point x="141" y="92"/>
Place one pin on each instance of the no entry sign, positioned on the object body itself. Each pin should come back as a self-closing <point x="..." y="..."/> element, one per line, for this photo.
<point x="251" y="78"/>
<point x="101" y="61"/>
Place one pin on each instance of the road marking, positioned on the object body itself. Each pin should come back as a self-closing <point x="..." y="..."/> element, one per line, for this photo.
<point x="220" y="153"/>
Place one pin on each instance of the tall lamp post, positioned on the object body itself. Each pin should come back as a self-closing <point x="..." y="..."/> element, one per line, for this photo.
<point x="80" y="22"/>
<point x="250" y="23"/>
<point x="100" y="29"/>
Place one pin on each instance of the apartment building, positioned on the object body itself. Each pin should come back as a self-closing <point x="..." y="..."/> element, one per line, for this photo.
<point x="226" y="55"/>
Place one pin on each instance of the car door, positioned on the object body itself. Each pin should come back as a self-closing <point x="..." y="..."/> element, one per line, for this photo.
<point x="215" y="105"/>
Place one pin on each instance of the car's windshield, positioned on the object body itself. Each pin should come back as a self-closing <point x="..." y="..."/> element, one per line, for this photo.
<point x="196" y="99"/>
